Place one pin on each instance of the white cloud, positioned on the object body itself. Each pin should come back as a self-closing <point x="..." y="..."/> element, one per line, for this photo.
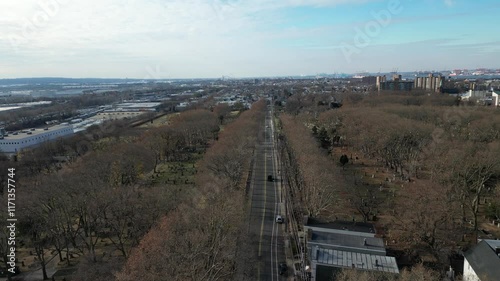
<point x="137" y="32"/>
<point x="49" y="23"/>
<point x="185" y="38"/>
<point x="449" y="3"/>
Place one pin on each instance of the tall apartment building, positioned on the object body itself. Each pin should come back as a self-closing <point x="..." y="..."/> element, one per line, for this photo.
<point x="430" y="83"/>
<point x="396" y="84"/>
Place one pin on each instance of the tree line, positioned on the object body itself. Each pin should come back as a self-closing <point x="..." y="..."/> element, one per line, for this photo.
<point x="100" y="204"/>
<point x="199" y="239"/>
<point x="439" y="158"/>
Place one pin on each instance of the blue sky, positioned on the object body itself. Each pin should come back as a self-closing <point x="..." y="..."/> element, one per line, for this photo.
<point x="161" y="39"/>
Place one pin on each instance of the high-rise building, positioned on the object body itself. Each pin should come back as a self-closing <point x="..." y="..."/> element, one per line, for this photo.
<point x="397" y="84"/>
<point x="430" y="83"/>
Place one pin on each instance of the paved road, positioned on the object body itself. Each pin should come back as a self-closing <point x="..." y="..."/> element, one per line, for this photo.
<point x="265" y="205"/>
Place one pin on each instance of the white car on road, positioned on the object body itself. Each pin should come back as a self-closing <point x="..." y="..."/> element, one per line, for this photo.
<point x="279" y="219"/>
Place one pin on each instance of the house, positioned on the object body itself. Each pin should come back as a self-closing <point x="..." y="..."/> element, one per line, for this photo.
<point x="495" y="99"/>
<point x="334" y="246"/>
<point x="482" y="263"/>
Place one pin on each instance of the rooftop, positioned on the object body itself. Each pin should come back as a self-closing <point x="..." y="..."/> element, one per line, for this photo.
<point x="348" y="242"/>
<point x="492" y="243"/>
<point x="361" y="261"/>
<point x="483" y="259"/>
<point x="343" y="225"/>
<point x="34" y="132"/>
<point x="139" y="104"/>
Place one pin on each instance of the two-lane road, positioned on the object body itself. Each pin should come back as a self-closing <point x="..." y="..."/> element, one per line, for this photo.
<point x="265" y="206"/>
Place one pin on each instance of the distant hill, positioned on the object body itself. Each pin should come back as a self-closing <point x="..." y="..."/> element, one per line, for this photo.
<point x="59" y="80"/>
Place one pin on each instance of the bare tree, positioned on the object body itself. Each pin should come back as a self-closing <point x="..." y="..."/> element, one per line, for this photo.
<point x="471" y="171"/>
<point x="312" y="173"/>
<point x="198" y="240"/>
<point x="424" y="217"/>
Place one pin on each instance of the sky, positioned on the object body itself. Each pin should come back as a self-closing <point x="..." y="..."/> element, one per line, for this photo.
<point x="162" y="39"/>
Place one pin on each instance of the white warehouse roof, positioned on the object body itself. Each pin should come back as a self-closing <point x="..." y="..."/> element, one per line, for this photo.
<point x="26" y="138"/>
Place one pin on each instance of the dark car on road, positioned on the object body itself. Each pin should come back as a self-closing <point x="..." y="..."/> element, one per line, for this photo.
<point x="282" y="268"/>
<point x="270" y="178"/>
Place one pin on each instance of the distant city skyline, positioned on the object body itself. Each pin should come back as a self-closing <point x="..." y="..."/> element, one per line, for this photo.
<point x="166" y="39"/>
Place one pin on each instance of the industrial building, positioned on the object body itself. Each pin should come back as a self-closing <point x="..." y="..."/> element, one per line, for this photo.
<point x="138" y="106"/>
<point x="117" y="114"/>
<point x="127" y="110"/>
<point x="15" y="142"/>
<point x="338" y="245"/>
<point x="475" y="95"/>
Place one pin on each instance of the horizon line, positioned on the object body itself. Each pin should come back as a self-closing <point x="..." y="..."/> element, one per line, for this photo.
<point x="243" y="77"/>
